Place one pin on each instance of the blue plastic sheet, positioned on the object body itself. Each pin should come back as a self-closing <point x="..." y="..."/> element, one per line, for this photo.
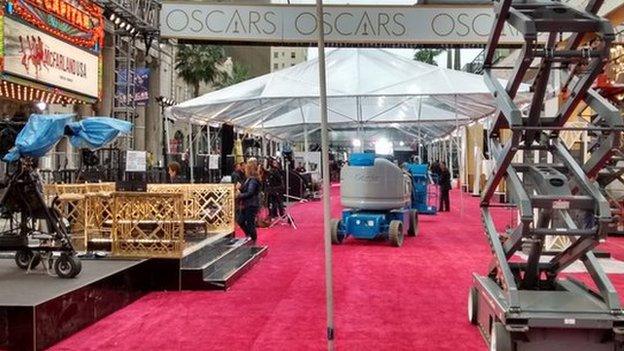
<point x="42" y="132"/>
<point x="95" y="132"/>
<point x="38" y="136"/>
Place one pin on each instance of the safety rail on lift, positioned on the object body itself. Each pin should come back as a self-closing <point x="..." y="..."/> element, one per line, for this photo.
<point x="560" y="193"/>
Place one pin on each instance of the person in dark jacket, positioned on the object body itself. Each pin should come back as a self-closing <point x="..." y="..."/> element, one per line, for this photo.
<point x="445" y="188"/>
<point x="249" y="201"/>
<point x="435" y="172"/>
<point x="275" y="189"/>
<point x="238" y="176"/>
<point x="174" y="172"/>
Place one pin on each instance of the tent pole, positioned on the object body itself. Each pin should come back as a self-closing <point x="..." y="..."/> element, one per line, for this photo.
<point x="306" y="144"/>
<point x="191" y="151"/>
<point x="420" y="130"/>
<point x="451" y="167"/>
<point x="358" y="108"/>
<point x="459" y="163"/>
<point x="326" y="184"/>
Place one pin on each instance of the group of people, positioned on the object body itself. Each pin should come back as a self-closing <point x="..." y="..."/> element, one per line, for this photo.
<point x="442" y="177"/>
<point x="252" y="180"/>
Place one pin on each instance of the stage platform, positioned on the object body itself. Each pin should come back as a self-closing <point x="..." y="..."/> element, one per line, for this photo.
<point x="38" y="310"/>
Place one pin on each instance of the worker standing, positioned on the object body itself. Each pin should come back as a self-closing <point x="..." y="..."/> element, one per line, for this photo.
<point x="445" y="188"/>
<point x="249" y="200"/>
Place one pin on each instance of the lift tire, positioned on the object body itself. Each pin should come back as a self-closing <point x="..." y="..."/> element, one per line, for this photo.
<point x="500" y="338"/>
<point x="413" y="223"/>
<point x="395" y="233"/>
<point x="24" y="258"/>
<point x="67" y="266"/>
<point x="473" y="306"/>
<point x="336" y="237"/>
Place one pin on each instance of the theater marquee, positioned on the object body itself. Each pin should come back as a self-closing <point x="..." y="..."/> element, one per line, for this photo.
<point x="343" y="25"/>
<point x="32" y="54"/>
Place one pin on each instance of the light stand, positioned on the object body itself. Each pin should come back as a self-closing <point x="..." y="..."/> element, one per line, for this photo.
<point x="285" y="218"/>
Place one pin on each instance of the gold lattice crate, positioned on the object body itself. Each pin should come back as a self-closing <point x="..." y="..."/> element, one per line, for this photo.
<point x="212" y="204"/>
<point x="71" y="201"/>
<point x="98" y="218"/>
<point x="72" y="207"/>
<point x="147" y="225"/>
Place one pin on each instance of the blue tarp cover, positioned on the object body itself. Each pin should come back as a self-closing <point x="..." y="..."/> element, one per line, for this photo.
<point x="42" y="132"/>
<point x="95" y="132"/>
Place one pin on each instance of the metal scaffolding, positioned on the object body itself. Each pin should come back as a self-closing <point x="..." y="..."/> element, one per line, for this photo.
<point x="133" y="21"/>
<point x="528" y="303"/>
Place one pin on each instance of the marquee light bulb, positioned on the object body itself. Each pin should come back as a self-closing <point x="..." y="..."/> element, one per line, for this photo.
<point x="41" y="106"/>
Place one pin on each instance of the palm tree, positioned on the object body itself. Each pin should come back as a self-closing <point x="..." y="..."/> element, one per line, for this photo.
<point x="427" y="56"/>
<point x="240" y="73"/>
<point x="198" y="64"/>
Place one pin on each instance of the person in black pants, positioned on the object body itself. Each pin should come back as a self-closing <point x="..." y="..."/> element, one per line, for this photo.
<point x="249" y="201"/>
<point x="275" y="189"/>
<point x="445" y="188"/>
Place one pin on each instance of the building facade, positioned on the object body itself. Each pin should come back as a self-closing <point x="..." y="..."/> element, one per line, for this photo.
<point x="284" y="57"/>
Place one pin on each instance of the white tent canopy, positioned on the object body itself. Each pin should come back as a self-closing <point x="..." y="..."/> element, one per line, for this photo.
<point x="366" y="87"/>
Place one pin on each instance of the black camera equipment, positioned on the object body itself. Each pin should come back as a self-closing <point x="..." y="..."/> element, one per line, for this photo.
<point x="23" y="212"/>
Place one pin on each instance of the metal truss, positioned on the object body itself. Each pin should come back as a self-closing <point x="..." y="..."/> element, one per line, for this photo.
<point x="142" y="14"/>
<point x="133" y="20"/>
<point x="124" y="104"/>
<point x="558" y="198"/>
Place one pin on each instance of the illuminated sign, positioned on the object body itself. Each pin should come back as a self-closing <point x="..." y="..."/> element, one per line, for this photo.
<point x="79" y="22"/>
<point x="1" y="39"/>
<point x="65" y="11"/>
<point x="32" y="54"/>
<point x="354" y="24"/>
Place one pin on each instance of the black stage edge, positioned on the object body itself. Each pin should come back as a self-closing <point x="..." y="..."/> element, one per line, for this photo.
<point x="38" y="310"/>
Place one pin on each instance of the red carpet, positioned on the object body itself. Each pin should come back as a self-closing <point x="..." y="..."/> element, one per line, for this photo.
<point x="408" y="298"/>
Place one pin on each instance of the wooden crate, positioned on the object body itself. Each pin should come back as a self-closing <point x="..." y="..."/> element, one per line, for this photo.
<point x="147" y="225"/>
<point x="212" y="204"/>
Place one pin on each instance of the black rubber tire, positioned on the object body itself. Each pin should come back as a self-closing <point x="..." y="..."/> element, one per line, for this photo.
<point x="413" y="223"/>
<point x="473" y="306"/>
<point x="395" y="233"/>
<point x="67" y="266"/>
<point x="500" y="338"/>
<point x="23" y="259"/>
<point x="337" y="238"/>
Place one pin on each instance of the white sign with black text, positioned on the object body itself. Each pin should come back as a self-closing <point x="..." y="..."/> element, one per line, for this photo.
<point x="136" y="161"/>
<point x="348" y="24"/>
<point x="34" y="55"/>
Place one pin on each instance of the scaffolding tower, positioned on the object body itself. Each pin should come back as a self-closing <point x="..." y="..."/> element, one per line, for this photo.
<point x="525" y="302"/>
<point x="133" y="21"/>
